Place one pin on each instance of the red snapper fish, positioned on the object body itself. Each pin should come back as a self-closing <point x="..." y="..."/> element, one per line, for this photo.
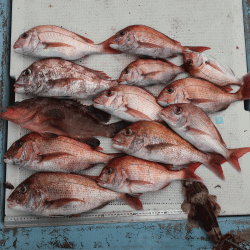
<point x="201" y="93"/>
<point x="136" y="176"/>
<point x="129" y="103"/>
<point x="143" y="40"/>
<point x="55" y="194"/>
<point x="154" y="142"/>
<point x="59" y="153"/>
<point x="148" y="72"/>
<point x="50" y="116"/>
<point x="52" y="41"/>
<point x="193" y="125"/>
<point x="60" y="78"/>
<point x="200" y="65"/>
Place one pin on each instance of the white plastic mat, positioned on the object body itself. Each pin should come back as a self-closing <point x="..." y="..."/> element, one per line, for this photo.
<point x="216" y="24"/>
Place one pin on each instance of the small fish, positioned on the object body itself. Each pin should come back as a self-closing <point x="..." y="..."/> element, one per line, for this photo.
<point x="194" y="126"/>
<point x="145" y="41"/>
<point x="136" y="176"/>
<point x="59" y="153"/>
<point x="60" y="78"/>
<point x="52" y="41"/>
<point x="148" y="72"/>
<point x="201" y="93"/>
<point x="55" y="194"/>
<point x="129" y="103"/>
<point x="200" y="65"/>
<point x="50" y="116"/>
<point x="154" y="142"/>
<point x="202" y="208"/>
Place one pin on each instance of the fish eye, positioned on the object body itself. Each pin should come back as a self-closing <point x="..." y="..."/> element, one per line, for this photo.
<point x="25" y="35"/>
<point x="110" y="171"/>
<point x="170" y="90"/>
<point x="128" y="132"/>
<point x="109" y="93"/>
<point x="22" y="189"/>
<point x="126" y="71"/>
<point x="122" y="33"/>
<point x="177" y="110"/>
<point x="19" y="144"/>
<point x="190" y="62"/>
<point x="27" y="72"/>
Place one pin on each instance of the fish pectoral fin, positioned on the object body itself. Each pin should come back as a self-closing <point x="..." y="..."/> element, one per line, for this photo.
<point x="214" y="65"/>
<point x="159" y="146"/>
<point x="100" y="74"/>
<point x="149" y="45"/>
<point x="197" y="101"/>
<point x="54" y="204"/>
<point x="98" y="114"/>
<point x="195" y="131"/>
<point x="52" y="114"/>
<point x="48" y="157"/>
<point x="48" y="135"/>
<point x="136" y="186"/>
<point x="86" y="39"/>
<point x="137" y="114"/>
<point x="53" y="45"/>
<point x="152" y="74"/>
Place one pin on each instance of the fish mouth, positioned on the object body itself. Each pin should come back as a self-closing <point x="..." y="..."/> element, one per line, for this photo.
<point x="9" y="111"/>
<point x="100" y="182"/>
<point x="17" y="46"/>
<point x="19" y="88"/>
<point x="11" y="203"/>
<point x="162" y="102"/>
<point x="98" y="101"/>
<point x="122" y="81"/>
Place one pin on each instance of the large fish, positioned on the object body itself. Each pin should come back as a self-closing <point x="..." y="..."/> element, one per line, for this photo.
<point x="129" y="103"/>
<point x="52" y="194"/>
<point x="193" y="125"/>
<point x="60" y="78"/>
<point x="59" y="153"/>
<point x="48" y="116"/>
<point x="147" y="72"/>
<point x="52" y="41"/>
<point x="201" y="93"/>
<point x="136" y="176"/>
<point x="154" y="142"/>
<point x="202" y="208"/>
<point x="202" y="66"/>
<point x="143" y="40"/>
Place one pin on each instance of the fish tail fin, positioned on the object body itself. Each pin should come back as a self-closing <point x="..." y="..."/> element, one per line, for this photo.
<point x="235" y="154"/>
<point x="214" y="163"/>
<point x="183" y="68"/>
<point x="225" y="88"/>
<point x="244" y="92"/>
<point x="197" y="48"/>
<point x="132" y="201"/>
<point x="114" y="128"/>
<point x="189" y="172"/>
<point x="105" y="49"/>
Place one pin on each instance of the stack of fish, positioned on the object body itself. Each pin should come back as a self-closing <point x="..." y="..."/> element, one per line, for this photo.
<point x="163" y="144"/>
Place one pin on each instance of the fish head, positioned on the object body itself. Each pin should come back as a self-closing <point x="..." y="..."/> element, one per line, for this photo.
<point x="123" y="40"/>
<point x="21" y="112"/>
<point x="169" y="95"/>
<point x="130" y="139"/>
<point x="176" y="115"/>
<point x="27" y="42"/>
<point x="20" y="151"/>
<point x="192" y="59"/>
<point x="129" y="76"/>
<point x="27" y="196"/>
<point x="27" y="82"/>
<point x="110" y="100"/>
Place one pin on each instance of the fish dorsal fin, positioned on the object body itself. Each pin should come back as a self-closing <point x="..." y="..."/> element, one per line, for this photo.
<point x="176" y="42"/>
<point x="98" y="114"/>
<point x="101" y="74"/>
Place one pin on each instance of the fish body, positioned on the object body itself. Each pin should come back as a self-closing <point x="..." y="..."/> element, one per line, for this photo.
<point x="202" y="208"/>
<point x="60" y="78"/>
<point x="129" y="103"/>
<point x="202" y="66"/>
<point x="148" y="72"/>
<point x="154" y="142"/>
<point x="143" y="40"/>
<point x="52" y="41"/>
<point x="135" y="176"/>
<point x="53" y="194"/>
<point x="48" y="116"/>
<point x="201" y="93"/>
<point x="193" y="125"/>
<point x="60" y="153"/>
